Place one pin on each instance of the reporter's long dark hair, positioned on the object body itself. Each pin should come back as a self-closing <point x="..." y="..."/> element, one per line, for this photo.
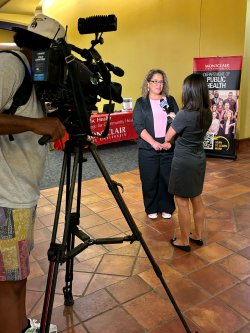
<point x="195" y="97"/>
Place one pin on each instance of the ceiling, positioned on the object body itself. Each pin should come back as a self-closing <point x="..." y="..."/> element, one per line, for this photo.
<point x="21" y="7"/>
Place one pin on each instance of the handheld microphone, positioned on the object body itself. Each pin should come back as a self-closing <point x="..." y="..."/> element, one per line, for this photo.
<point x="97" y="24"/>
<point x="116" y="70"/>
<point x="164" y="105"/>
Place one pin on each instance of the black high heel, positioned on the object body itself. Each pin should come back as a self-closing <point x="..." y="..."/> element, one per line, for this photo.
<point x="186" y="248"/>
<point x="196" y="241"/>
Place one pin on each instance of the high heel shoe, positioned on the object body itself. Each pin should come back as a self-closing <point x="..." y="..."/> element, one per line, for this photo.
<point x="196" y="241"/>
<point x="186" y="248"/>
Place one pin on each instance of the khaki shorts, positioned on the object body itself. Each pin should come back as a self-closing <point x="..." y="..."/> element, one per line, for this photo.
<point x="16" y="242"/>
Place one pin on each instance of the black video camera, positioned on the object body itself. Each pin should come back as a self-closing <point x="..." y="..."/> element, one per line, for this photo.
<point x="72" y="87"/>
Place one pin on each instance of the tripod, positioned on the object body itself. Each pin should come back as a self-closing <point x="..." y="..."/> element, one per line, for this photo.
<point x="66" y="251"/>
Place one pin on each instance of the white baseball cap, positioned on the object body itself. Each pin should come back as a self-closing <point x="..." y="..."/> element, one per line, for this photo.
<point x="43" y="26"/>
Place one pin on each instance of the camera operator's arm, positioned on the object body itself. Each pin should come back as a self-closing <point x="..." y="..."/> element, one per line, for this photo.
<point x="10" y="124"/>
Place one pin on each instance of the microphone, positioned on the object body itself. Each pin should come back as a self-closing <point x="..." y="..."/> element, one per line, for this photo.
<point x="116" y="70"/>
<point x="97" y="24"/>
<point x="164" y="105"/>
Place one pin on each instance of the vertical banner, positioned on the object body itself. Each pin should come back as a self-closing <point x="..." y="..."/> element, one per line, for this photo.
<point x="223" y="80"/>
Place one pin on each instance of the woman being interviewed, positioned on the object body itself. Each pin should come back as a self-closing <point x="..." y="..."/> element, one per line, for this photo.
<point x="152" y="115"/>
<point x="189" y="163"/>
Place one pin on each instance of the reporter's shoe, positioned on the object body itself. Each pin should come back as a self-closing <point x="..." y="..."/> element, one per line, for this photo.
<point x="196" y="241"/>
<point x="35" y="327"/>
<point x="153" y="216"/>
<point x="166" y="215"/>
<point x="186" y="248"/>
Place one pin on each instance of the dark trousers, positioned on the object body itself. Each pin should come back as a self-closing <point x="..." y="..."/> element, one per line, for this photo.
<point x="155" y="167"/>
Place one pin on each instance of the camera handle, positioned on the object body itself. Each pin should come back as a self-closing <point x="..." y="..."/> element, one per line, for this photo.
<point x="66" y="251"/>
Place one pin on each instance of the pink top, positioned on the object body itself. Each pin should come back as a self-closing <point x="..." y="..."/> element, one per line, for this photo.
<point x="160" y="118"/>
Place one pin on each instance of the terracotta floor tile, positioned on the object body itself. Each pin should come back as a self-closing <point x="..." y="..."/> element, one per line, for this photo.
<point x="236" y="243"/>
<point x="91" y="305"/>
<point x="245" y="232"/>
<point x="117" y="265"/>
<point x="188" y="263"/>
<point x="213" y="252"/>
<point x="213" y="279"/>
<point x="111" y="214"/>
<point x="235" y="202"/>
<point x="45" y="210"/>
<point x="141" y="265"/>
<point x="75" y="329"/>
<point x="160" y="249"/>
<point x="100" y="281"/>
<point x="219" y="224"/>
<point x="175" y="325"/>
<point x="100" y="206"/>
<point x="215" y="316"/>
<point x="64" y="317"/>
<point x="168" y="274"/>
<point x="185" y="292"/>
<point x="48" y="220"/>
<point x="88" y="265"/>
<point x="245" y="329"/>
<point x="88" y="199"/>
<point x="105" y="323"/>
<point x="128" y="289"/>
<point x="105" y="230"/>
<point x="245" y="252"/>
<point x="149" y="309"/>
<point x="216" y="236"/>
<point x="79" y="283"/>
<point x="238" y="297"/>
<point x="236" y="265"/>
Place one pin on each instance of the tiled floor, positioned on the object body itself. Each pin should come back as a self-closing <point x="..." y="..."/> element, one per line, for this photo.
<point x="115" y="287"/>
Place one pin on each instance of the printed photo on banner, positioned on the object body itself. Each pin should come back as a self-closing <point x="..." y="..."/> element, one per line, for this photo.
<point x="223" y="80"/>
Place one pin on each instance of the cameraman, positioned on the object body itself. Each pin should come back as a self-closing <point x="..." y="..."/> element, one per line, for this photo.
<point x="22" y="164"/>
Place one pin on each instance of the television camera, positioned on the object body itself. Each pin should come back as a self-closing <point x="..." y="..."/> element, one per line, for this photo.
<point x="69" y="87"/>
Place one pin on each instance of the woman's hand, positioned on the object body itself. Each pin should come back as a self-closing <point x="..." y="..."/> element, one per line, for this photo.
<point x="166" y="145"/>
<point x="156" y="145"/>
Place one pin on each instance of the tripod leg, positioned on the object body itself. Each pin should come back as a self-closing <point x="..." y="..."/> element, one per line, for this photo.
<point x="115" y="191"/>
<point x="74" y="221"/>
<point x="56" y="253"/>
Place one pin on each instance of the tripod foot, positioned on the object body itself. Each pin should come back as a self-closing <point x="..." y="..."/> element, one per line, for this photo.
<point x="68" y="298"/>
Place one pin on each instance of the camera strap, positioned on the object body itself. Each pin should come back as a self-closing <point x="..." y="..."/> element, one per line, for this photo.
<point x="23" y="93"/>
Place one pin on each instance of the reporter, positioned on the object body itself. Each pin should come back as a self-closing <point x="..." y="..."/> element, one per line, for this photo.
<point x="189" y="163"/>
<point x="151" y="121"/>
<point x="22" y="164"/>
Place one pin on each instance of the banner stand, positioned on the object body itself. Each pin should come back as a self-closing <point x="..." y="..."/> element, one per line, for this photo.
<point x="223" y="80"/>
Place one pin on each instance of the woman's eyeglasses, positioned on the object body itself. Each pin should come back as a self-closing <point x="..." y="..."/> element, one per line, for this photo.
<point x="157" y="81"/>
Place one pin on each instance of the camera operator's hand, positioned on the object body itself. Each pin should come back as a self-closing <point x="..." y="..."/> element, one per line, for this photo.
<point x="13" y="124"/>
<point x="49" y="126"/>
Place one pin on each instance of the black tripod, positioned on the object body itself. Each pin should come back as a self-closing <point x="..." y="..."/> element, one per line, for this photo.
<point x="66" y="251"/>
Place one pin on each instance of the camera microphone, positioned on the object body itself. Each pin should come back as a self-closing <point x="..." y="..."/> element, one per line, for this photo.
<point x="164" y="105"/>
<point x="116" y="70"/>
<point x="97" y="24"/>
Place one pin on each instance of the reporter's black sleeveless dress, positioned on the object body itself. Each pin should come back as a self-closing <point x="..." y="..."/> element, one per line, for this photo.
<point x="189" y="162"/>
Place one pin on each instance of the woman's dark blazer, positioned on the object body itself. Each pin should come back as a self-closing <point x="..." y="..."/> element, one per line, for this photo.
<point x="143" y="118"/>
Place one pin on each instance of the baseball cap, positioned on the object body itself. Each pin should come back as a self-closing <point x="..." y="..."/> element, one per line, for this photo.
<point x="43" y="26"/>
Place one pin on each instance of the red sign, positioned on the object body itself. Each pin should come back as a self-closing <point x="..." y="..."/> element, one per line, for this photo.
<point x="121" y="129"/>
